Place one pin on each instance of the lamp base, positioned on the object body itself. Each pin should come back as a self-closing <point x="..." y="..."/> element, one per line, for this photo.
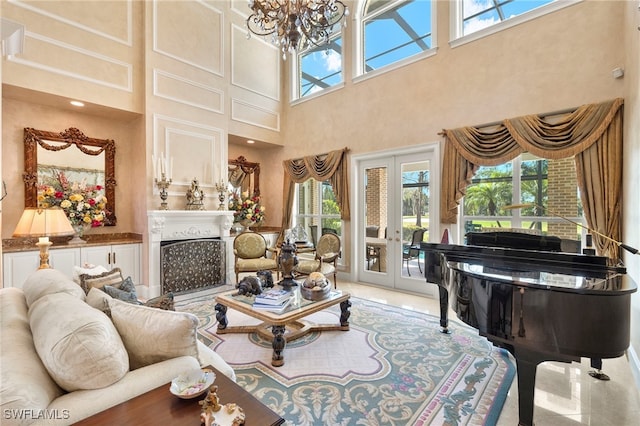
<point x="44" y="254"/>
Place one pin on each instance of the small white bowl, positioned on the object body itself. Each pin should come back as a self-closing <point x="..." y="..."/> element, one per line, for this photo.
<point x="192" y="384"/>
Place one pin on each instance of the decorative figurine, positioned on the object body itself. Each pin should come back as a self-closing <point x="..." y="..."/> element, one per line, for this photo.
<point x="212" y="413"/>
<point x="222" y="191"/>
<point x="287" y="261"/>
<point x="266" y="277"/>
<point x="163" y="184"/>
<point x="195" y="196"/>
<point x="210" y="405"/>
<point x="249" y="285"/>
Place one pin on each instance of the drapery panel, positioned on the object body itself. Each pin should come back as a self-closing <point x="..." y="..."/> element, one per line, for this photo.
<point x="331" y="166"/>
<point x="592" y="134"/>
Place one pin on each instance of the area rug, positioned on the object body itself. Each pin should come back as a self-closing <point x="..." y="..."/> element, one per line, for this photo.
<point x="393" y="367"/>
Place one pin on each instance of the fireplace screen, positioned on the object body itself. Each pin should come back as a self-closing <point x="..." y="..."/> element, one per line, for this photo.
<point x="192" y="264"/>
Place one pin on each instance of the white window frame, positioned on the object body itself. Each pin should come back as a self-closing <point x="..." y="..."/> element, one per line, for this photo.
<point x="456" y="38"/>
<point x="315" y="217"/>
<point x="295" y="80"/>
<point x="358" y="40"/>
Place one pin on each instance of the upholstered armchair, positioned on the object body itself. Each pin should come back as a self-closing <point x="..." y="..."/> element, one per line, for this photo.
<point x="250" y="254"/>
<point x="328" y="250"/>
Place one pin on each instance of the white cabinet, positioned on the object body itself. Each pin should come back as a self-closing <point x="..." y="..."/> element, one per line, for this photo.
<point x="17" y="266"/>
<point x="123" y="256"/>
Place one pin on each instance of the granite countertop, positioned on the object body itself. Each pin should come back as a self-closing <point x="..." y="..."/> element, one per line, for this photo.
<point x="12" y="245"/>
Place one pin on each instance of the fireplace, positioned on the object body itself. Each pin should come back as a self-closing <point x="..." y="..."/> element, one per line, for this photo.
<point x="191" y="265"/>
<point x="205" y="229"/>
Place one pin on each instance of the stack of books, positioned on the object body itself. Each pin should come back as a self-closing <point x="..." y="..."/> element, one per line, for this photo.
<point x="274" y="300"/>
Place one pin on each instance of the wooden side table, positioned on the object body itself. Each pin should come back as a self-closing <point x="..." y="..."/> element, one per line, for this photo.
<point x="159" y="406"/>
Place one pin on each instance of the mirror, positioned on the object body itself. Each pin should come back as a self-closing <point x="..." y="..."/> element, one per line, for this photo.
<point x="244" y="176"/>
<point x="81" y="158"/>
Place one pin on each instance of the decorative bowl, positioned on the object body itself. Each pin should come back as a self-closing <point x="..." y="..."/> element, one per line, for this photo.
<point x="192" y="384"/>
<point x="315" y="287"/>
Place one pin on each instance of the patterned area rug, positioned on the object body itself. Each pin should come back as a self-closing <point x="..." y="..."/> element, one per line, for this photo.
<point x="393" y="367"/>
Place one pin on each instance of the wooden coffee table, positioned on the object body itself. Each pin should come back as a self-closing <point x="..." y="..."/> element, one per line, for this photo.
<point x="274" y="325"/>
<point x="161" y="407"/>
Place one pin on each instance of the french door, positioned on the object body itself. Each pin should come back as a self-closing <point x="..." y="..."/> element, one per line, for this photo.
<point x="397" y="198"/>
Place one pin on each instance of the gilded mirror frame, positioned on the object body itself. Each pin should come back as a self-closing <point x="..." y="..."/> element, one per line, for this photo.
<point x="252" y="171"/>
<point x="70" y="137"/>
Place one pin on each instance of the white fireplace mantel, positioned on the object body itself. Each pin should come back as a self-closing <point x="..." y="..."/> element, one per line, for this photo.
<point x="171" y="225"/>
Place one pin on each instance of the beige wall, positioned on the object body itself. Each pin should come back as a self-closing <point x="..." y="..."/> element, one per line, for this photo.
<point x="631" y="171"/>
<point x="16" y="115"/>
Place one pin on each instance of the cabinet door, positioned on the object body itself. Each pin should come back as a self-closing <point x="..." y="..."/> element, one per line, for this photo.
<point x="18" y="266"/>
<point x="96" y="255"/>
<point x="127" y="258"/>
<point x="64" y="260"/>
<point x="123" y="256"/>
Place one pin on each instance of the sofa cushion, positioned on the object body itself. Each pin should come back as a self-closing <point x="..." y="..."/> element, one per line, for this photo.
<point x="78" y="344"/>
<point x="126" y="291"/>
<point x="26" y="384"/>
<point x="49" y="281"/>
<point x="152" y="335"/>
<point x="87" y="269"/>
<point x="112" y="278"/>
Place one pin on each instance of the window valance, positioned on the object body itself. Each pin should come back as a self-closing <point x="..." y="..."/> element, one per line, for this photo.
<point x="330" y="166"/>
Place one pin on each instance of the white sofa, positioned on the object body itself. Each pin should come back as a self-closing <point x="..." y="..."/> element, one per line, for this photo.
<point x="62" y="358"/>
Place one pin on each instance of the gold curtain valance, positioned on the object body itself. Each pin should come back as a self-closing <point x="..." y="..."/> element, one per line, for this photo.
<point x="593" y="129"/>
<point x="331" y="166"/>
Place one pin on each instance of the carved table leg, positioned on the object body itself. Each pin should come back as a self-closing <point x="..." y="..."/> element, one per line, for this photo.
<point x="221" y="316"/>
<point x="279" y="342"/>
<point x="345" y="314"/>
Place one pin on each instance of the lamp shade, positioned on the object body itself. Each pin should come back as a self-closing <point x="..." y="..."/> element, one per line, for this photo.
<point x="51" y="222"/>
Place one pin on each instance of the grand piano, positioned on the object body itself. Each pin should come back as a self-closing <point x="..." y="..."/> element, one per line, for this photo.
<point x="538" y="303"/>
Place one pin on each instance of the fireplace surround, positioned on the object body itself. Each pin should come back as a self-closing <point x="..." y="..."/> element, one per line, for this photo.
<point x="176" y="225"/>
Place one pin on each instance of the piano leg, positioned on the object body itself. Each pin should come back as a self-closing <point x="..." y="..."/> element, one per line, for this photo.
<point x="526" y="363"/>
<point x="444" y="306"/>
<point x="596" y="373"/>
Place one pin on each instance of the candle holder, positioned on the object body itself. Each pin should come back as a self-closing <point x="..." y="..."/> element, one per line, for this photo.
<point x="222" y="190"/>
<point x="163" y="184"/>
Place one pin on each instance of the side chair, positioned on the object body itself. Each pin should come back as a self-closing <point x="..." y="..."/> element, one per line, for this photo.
<point x="250" y="254"/>
<point x="325" y="261"/>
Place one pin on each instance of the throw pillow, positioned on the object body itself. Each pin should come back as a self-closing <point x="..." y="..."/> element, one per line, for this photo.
<point x="49" y="281"/>
<point x="87" y="269"/>
<point x="78" y="345"/>
<point x="153" y="335"/>
<point x="162" y="302"/>
<point x="126" y="292"/>
<point x="113" y="278"/>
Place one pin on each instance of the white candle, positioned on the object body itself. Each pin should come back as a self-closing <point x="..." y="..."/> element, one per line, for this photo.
<point x="43" y="240"/>
<point x="162" y="164"/>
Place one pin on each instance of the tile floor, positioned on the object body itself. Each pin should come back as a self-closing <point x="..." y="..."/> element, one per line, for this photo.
<point x="565" y="394"/>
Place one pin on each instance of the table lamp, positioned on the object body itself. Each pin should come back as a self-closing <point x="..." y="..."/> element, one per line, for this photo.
<point x="43" y="223"/>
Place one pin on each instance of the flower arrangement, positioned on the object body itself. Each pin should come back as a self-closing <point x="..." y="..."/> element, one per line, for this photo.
<point x="246" y="207"/>
<point x="83" y="204"/>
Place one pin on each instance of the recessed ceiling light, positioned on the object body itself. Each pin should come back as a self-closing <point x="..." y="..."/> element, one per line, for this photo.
<point x="77" y="103"/>
<point x="250" y="141"/>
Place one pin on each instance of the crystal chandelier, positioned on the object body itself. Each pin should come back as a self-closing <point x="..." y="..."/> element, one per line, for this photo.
<point x="295" y="24"/>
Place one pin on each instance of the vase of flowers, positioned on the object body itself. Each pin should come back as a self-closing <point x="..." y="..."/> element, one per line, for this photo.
<point x="247" y="209"/>
<point x="84" y="205"/>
